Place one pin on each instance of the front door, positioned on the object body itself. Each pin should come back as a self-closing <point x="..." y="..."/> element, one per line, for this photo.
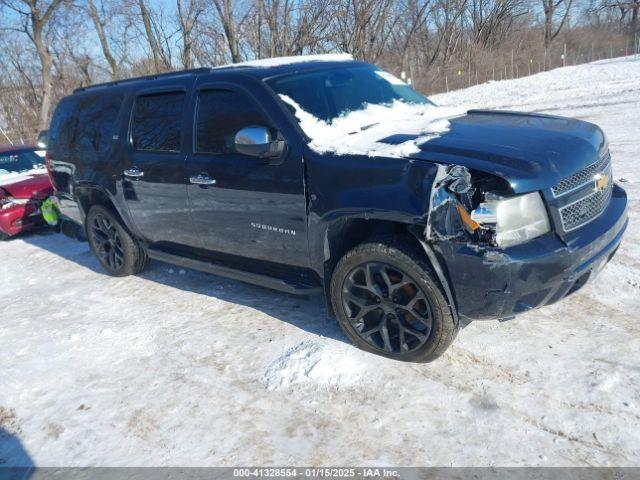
<point x="243" y="205"/>
<point x="154" y="177"/>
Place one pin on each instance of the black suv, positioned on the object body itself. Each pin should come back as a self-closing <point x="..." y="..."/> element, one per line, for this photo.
<point x="330" y="175"/>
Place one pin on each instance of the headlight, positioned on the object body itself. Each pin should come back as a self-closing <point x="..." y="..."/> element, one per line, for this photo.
<point x="10" y="202"/>
<point x="516" y="219"/>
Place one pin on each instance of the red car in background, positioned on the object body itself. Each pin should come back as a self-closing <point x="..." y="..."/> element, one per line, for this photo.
<point x="24" y="184"/>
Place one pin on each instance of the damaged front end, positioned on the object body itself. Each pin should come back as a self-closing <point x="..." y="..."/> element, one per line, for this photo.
<point x="461" y="231"/>
<point x="474" y="218"/>
<point x="480" y="208"/>
<point x="496" y="249"/>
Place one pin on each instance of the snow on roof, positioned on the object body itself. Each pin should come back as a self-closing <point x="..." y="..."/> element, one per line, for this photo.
<point x="359" y="132"/>
<point x="278" y="61"/>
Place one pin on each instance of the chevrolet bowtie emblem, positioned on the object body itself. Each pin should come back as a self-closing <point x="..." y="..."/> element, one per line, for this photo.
<point x="601" y="181"/>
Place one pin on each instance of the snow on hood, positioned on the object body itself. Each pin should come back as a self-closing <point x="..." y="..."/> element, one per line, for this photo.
<point x="360" y="132"/>
<point x="10" y="178"/>
<point x="278" y="61"/>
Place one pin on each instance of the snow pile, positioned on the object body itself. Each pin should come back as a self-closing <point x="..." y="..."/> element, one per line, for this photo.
<point x="279" y="61"/>
<point x="309" y="362"/>
<point x="578" y="87"/>
<point x="359" y="132"/>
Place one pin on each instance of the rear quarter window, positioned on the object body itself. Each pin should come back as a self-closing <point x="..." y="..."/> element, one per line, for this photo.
<point x="98" y="121"/>
<point x="85" y="123"/>
<point x="63" y="125"/>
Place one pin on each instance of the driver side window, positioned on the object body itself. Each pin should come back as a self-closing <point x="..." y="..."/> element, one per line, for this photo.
<point x="220" y="115"/>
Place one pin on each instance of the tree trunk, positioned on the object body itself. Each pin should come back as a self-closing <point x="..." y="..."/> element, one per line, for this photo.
<point x="633" y="25"/>
<point x="187" y="19"/>
<point x="37" y="22"/>
<point x="46" y="63"/>
<point x="548" y="23"/>
<point x="225" y="12"/>
<point x="104" y="44"/>
<point x="549" y="8"/>
<point x="151" y="39"/>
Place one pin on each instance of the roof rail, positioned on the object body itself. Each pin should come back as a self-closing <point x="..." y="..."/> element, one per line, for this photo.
<point x="158" y="76"/>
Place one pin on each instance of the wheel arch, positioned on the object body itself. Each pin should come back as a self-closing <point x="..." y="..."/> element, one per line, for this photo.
<point x="89" y="195"/>
<point x="344" y="234"/>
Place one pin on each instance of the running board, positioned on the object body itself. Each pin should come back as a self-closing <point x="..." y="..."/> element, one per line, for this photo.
<point x="241" y="275"/>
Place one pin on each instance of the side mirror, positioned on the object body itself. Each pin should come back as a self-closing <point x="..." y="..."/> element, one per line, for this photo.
<point x="43" y="139"/>
<point x="256" y="141"/>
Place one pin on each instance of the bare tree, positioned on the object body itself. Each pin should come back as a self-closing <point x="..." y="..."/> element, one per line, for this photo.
<point x="230" y="24"/>
<point x="414" y="18"/>
<point x="99" y="23"/>
<point x="157" y="38"/>
<point x="19" y="91"/>
<point x="447" y="18"/>
<point x="35" y="16"/>
<point x="288" y="27"/>
<point x="363" y="27"/>
<point x="624" y="7"/>
<point x="188" y="17"/>
<point x="553" y="9"/>
<point x="492" y="19"/>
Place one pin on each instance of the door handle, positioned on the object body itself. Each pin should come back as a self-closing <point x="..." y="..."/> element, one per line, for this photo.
<point x="133" y="172"/>
<point x="202" y="179"/>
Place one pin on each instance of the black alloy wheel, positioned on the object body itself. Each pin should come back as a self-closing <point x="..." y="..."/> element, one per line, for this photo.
<point x="387" y="308"/>
<point x="119" y="253"/>
<point x="389" y="301"/>
<point x="107" y="242"/>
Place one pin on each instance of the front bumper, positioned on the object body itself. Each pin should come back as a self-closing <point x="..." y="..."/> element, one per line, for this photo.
<point x="20" y="218"/>
<point x="490" y="283"/>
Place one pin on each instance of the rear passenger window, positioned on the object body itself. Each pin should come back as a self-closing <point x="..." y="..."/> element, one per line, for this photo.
<point x="221" y="113"/>
<point x="157" y="122"/>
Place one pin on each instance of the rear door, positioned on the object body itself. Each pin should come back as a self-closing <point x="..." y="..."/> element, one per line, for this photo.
<point x="155" y="185"/>
<point x="251" y="208"/>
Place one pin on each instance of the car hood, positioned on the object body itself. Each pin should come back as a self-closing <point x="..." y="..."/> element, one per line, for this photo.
<point x="30" y="185"/>
<point x="530" y="151"/>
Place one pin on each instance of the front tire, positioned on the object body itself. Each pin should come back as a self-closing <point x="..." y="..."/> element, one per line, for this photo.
<point x="4" y="236"/>
<point x="118" y="252"/>
<point x="388" y="302"/>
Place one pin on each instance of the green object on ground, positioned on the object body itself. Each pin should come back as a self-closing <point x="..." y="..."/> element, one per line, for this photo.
<point x="49" y="212"/>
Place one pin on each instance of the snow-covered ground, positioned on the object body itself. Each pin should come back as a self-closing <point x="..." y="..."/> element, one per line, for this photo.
<point x="176" y="367"/>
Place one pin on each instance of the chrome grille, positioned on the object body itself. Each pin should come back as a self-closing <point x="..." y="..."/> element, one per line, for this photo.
<point x="586" y="209"/>
<point x="582" y="177"/>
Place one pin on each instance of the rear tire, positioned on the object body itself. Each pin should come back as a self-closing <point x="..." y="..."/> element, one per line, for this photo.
<point x="118" y="252"/>
<point x="388" y="302"/>
<point x="4" y="236"/>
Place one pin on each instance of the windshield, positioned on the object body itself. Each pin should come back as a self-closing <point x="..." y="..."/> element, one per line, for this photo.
<point x="328" y="94"/>
<point x="19" y="162"/>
